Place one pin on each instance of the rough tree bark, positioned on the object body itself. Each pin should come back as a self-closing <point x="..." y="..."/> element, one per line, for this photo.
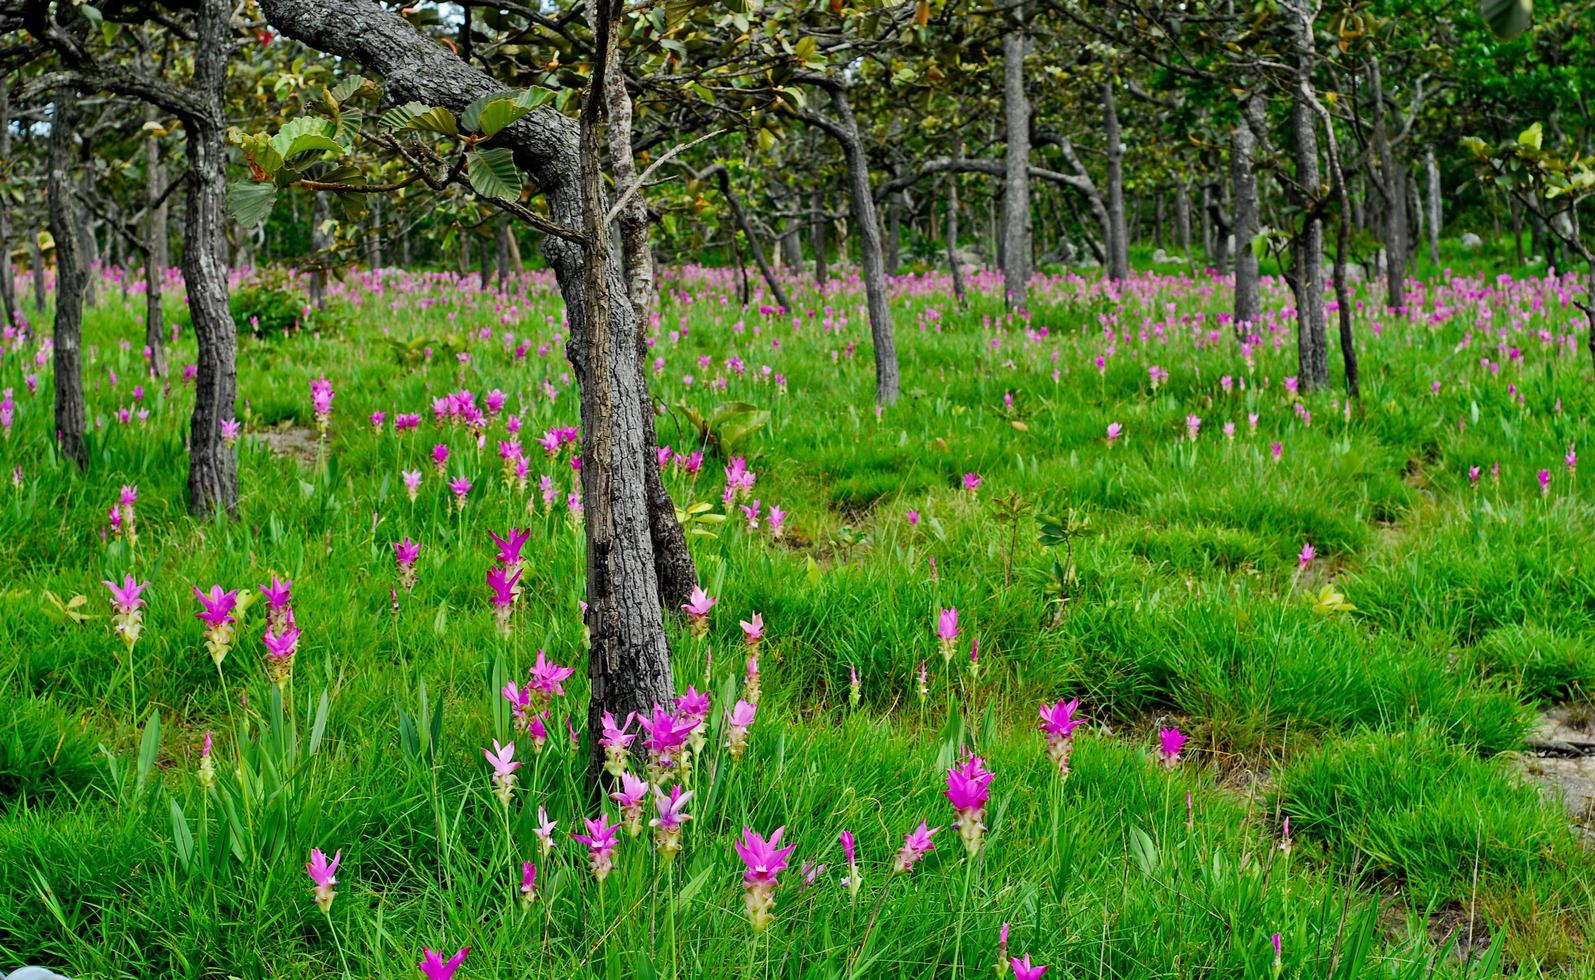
<point x="156" y="258"/>
<point x="213" y="469"/>
<point x="1436" y="209"/>
<point x="1016" y="160"/>
<point x="70" y="279"/>
<point x="630" y="661"/>
<point x="952" y="240"/>
<point x="1307" y="248"/>
<point x="636" y="256"/>
<point x="1118" y="234"/>
<point x="36" y="259"/>
<point x="319" y="241"/>
<point x="821" y="267"/>
<point x="1246" y="222"/>
<point x="1182" y="216"/>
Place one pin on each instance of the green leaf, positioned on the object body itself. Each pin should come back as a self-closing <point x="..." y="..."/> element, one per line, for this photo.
<point x="182" y="839"/>
<point x="1532" y="138"/>
<point x="249" y="202"/>
<point x="398" y="116"/>
<point x="349" y="86"/>
<point x="1507" y="18"/>
<point x="434" y="120"/>
<point x="493" y="173"/>
<point x="1143" y="850"/>
<point x="491" y="113"/>
<point x="147" y="749"/>
<point x="306" y="135"/>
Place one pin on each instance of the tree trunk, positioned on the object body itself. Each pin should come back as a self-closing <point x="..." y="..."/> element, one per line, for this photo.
<point x="36" y="257"/>
<point x="791" y="247"/>
<point x="1394" y="180"/>
<point x="213" y="469"/>
<point x="952" y="240"/>
<point x="636" y="256"/>
<point x="374" y="239"/>
<point x="894" y="234"/>
<point x="1246" y="222"/>
<point x="1307" y="248"/>
<point x="723" y="177"/>
<point x="821" y="269"/>
<point x="629" y="661"/>
<point x="156" y="258"/>
<point x="1205" y="214"/>
<point x="1118" y="235"/>
<point x="501" y="254"/>
<point x="66" y="222"/>
<point x="1016" y="165"/>
<point x="1182" y="216"/>
<point x="1517" y="228"/>
<point x="887" y="379"/>
<point x="9" y="309"/>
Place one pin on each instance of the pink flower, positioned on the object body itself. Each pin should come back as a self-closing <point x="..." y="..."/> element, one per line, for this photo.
<point x="509" y="547"/>
<point x="440" y="457"/>
<point x="776" y="522"/>
<point x="672" y="816"/>
<point x="435" y="968"/>
<point x="753" y="629"/>
<point x="461" y="487"/>
<point x="752" y="514"/>
<point x="629" y="798"/>
<point x="1193" y="425"/>
<point x="217" y="606"/>
<point x="697" y="610"/>
<point x="502" y="758"/>
<point x="764" y="860"/>
<point x="616" y="742"/>
<point x="601" y="839"/>
<point x="913" y="518"/>
<point x="1022" y="970"/>
<point x="1307" y="555"/>
<point x="322" y="871"/>
<point x="738" y="720"/>
<point x="1114" y="431"/>
<point x="972" y="482"/>
<point x="549" y="677"/>
<point x="1058" y="723"/>
<point x="1276" y="449"/>
<point x="127" y="597"/>
<point x="1545" y="482"/>
<point x="528" y="887"/>
<point x="916" y="844"/>
<point x="1170" y="742"/>
<point x="544" y="831"/>
<point x="968" y="789"/>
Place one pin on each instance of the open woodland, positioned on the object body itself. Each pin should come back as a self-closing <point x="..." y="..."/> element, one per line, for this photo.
<point x="796" y="488"/>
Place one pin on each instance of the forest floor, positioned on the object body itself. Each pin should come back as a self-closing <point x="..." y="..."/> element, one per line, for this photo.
<point x="1369" y="618"/>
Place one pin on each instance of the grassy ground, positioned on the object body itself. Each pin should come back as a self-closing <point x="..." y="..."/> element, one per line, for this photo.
<point x="1156" y="577"/>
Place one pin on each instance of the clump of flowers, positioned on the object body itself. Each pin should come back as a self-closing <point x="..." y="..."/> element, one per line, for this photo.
<point x="127" y="609"/>
<point x="738" y="720"/>
<point x="601" y="839"/>
<point x="502" y="758"/>
<point x="280" y="650"/>
<point x="321" y="404"/>
<point x="968" y="789"/>
<point x="764" y="860"/>
<point x="697" y="609"/>
<point x="322" y="872"/>
<point x="123" y="517"/>
<point x="617" y="744"/>
<point x="671" y="818"/>
<point x="947" y="632"/>
<point x="916" y="844"/>
<point x="404" y="555"/>
<point x="502" y="585"/>
<point x="217" y="615"/>
<point x="666" y="743"/>
<point x="1058" y="723"/>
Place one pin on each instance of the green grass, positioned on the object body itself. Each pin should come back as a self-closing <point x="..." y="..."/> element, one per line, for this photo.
<point x="1387" y="732"/>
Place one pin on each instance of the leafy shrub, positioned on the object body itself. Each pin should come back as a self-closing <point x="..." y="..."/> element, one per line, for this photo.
<point x="265" y="311"/>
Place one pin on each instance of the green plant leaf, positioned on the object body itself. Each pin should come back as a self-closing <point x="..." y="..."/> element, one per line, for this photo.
<point x="493" y="173"/>
<point x="431" y="120"/>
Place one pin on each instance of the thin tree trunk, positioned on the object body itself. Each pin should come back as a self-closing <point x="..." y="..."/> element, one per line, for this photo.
<point x="1517" y="229"/>
<point x="1182" y="216"/>
<point x="821" y="268"/>
<point x="1118" y="235"/>
<point x="70" y="277"/>
<point x="156" y="258"/>
<point x="9" y="309"/>
<point x="723" y="178"/>
<point x="632" y="222"/>
<point x="1307" y="248"/>
<point x="952" y="240"/>
<point x="319" y="242"/>
<point x="1394" y="180"/>
<point x="213" y="469"/>
<point x="894" y="234"/>
<point x="501" y="253"/>
<point x="1016" y="165"/>
<point x="887" y="378"/>
<point x="791" y="247"/>
<point x="1246" y="222"/>
<point x="36" y="257"/>
<point x="1205" y="214"/>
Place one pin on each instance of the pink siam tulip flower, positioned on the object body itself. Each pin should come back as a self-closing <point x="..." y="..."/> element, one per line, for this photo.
<point x="1279" y="953"/>
<point x="1023" y="970"/>
<point x="752" y="631"/>
<point x="503" y="598"/>
<point x="1571" y="459"/>
<point x="811" y="871"/>
<point x="217" y="615"/>
<point x="1473" y="476"/>
<point x="972" y="482"/>
<point x="548" y="677"/>
<point x="1545" y="482"/>
<point x="629" y="798"/>
<point x="916" y="844"/>
<point x="544" y="831"/>
<point x="947" y="632"/>
<point x="378" y="419"/>
<point x="461" y="487"/>
<point x="1115" y="430"/>
<point x="404" y="555"/>
<point x="738" y="720"/>
<point x="1170" y="742"/>
<point x="617" y="744"/>
<point x="666" y="742"/>
<point x="279" y="603"/>
<point x="440" y="458"/>
<point x="1058" y="722"/>
<point x="537" y="728"/>
<point x="697" y="610"/>
<point x="775" y="520"/>
<point x="672" y="817"/>
<point x="502" y="758"/>
<point x="1229" y="431"/>
<point x="1251" y="421"/>
<point x="528" y="887"/>
<point x="1193" y="425"/>
<point x="854" y="688"/>
<point x="924" y="683"/>
<point x="913" y="518"/>
<point x="694" y="705"/>
<point x="968" y="789"/>
<point x="1276" y="449"/>
<point x="751" y="512"/>
<point x="852" y="882"/>
<point x="510" y="546"/>
<point x="322" y="871"/>
<point x="412" y="484"/>
<point x="127" y="609"/>
<point x="122" y="514"/>
<point x="434" y="967"/>
<point x="601" y="839"/>
<point x="280" y="650"/>
<point x="321" y="403"/>
<point x="1002" y="951"/>
<point x="1307" y="555"/>
<point x="764" y="860"/>
<point x="520" y="699"/>
<point x="1285" y="841"/>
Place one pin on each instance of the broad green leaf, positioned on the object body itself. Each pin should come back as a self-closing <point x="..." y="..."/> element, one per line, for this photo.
<point x="148" y="746"/>
<point x="349" y="86"/>
<point x="182" y="838"/>
<point x="493" y="173"/>
<point x="249" y="202"/>
<point x="434" y="120"/>
<point x="398" y="116"/>
<point x="1533" y="138"/>
<point x="306" y="135"/>
<point x="1143" y="850"/>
